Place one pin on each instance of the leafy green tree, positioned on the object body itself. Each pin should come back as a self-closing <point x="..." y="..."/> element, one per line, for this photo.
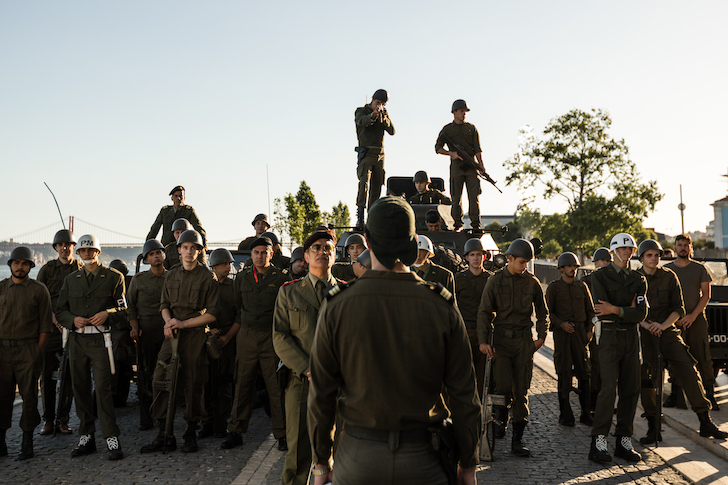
<point x="339" y="217"/>
<point x="295" y="217"/>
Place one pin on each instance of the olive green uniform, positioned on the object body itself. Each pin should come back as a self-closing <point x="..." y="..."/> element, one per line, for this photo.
<point x="505" y="313"/>
<point x="245" y="243"/>
<point x="166" y="217"/>
<point x="84" y="295"/>
<point x="279" y="260"/>
<point x="294" y="324"/>
<point x="52" y="275"/>
<point x="386" y="397"/>
<point x="466" y="136"/>
<point x="172" y="256"/>
<point x="186" y="294"/>
<point x="665" y="296"/>
<point x="434" y="273"/>
<point x="618" y="347"/>
<point x="430" y="196"/>
<point x="595" y="375"/>
<point x="343" y="271"/>
<point x="469" y="291"/>
<point x="370" y="168"/>
<point x="25" y="313"/>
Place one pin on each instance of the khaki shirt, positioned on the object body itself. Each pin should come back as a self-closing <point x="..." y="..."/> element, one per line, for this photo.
<point x="106" y="293"/>
<point x="171" y="256"/>
<point x="620" y="287"/>
<point x="434" y="273"/>
<point x="370" y="132"/>
<point x="189" y="294"/>
<point x="384" y="350"/>
<point x="469" y="292"/>
<point x="144" y="295"/>
<point x="25" y="309"/>
<point x="464" y="134"/>
<point x="664" y="294"/>
<point x="166" y="217"/>
<point x="508" y="303"/>
<point x="430" y="196"/>
<point x="227" y="314"/>
<point x="52" y="275"/>
<point x="294" y="321"/>
<point x="570" y="302"/>
<point x="255" y="300"/>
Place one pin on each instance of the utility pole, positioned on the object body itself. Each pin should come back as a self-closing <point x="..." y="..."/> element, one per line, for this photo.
<point x="681" y="206"/>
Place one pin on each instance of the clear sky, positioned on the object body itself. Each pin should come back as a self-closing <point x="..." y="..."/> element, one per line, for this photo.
<point x="114" y="103"/>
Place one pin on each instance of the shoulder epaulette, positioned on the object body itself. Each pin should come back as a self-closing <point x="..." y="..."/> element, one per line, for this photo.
<point x="284" y="271"/>
<point x="291" y="282"/>
<point x="442" y="291"/>
<point x="339" y="288"/>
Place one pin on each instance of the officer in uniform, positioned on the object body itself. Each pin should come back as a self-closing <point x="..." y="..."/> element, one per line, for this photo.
<point x="385" y="438"/>
<point x="52" y="275"/>
<point x="429" y="271"/>
<point x="572" y="311"/>
<point x="470" y="284"/>
<point x="279" y="260"/>
<point x="620" y="297"/>
<point x="659" y="334"/>
<point x="601" y="258"/>
<point x="504" y="334"/>
<point x="425" y="194"/>
<point x="145" y="318"/>
<point x="170" y="213"/>
<point x="171" y="250"/>
<point x="219" y="388"/>
<point x="25" y="323"/>
<point x="299" y="267"/>
<point x="294" y="324"/>
<point x="256" y="288"/>
<point x="355" y="245"/>
<point x="189" y="303"/>
<point x="90" y="304"/>
<point x="466" y="136"/>
<point x="261" y="225"/>
<point x="371" y="122"/>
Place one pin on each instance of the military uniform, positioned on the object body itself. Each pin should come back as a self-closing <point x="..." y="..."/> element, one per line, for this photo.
<point x="469" y="291"/>
<point x="435" y="273"/>
<point x="172" y="256"/>
<point x="167" y="216"/>
<point x="343" y="271"/>
<point x="466" y="136"/>
<point x="278" y="260"/>
<point x="430" y="196"/>
<point x="294" y="325"/>
<point x="595" y="374"/>
<point x="25" y="313"/>
<point x="385" y="413"/>
<point x="85" y="294"/>
<point x="245" y="243"/>
<point x="52" y="275"/>
<point x="255" y="298"/>
<point x="370" y="168"/>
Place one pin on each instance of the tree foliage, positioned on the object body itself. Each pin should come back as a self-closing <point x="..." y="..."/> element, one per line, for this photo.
<point x="297" y="216"/>
<point x="339" y="217"/>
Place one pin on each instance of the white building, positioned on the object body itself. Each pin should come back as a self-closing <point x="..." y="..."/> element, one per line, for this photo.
<point x="720" y="223"/>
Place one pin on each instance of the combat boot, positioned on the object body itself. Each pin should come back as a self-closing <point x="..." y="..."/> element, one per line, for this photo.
<point x="112" y="444"/>
<point x="517" y="447"/>
<point x="623" y="448"/>
<point x="26" y="448"/>
<point x="3" y="445"/>
<point x="676" y="399"/>
<point x="360" y="217"/>
<point x="710" y="394"/>
<point x="158" y="443"/>
<point x="232" y="440"/>
<point x="708" y="429"/>
<point x="206" y="431"/>
<point x="653" y="432"/>
<point x="501" y="421"/>
<point x="566" y="416"/>
<point x="599" y="451"/>
<point x="86" y="446"/>
<point x="585" y="402"/>
<point x="190" y="436"/>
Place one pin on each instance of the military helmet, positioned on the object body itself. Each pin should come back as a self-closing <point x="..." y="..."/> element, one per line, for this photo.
<point x="297" y="254"/>
<point x="566" y="259"/>
<point x="273" y="238"/>
<point x="432" y="217"/>
<point x="365" y="259"/>
<point x="355" y="238"/>
<point x="381" y="95"/>
<point x="424" y="242"/>
<point x="622" y="240"/>
<point x="220" y="256"/>
<point x="648" y="244"/>
<point x="88" y="241"/>
<point x="191" y="236"/>
<point x="421" y="176"/>
<point x="119" y="266"/>
<point x="521" y="248"/>
<point x="63" y="236"/>
<point x="261" y="217"/>
<point x="181" y="224"/>
<point x="22" y="253"/>
<point x="149" y="246"/>
<point x="602" y="253"/>
<point x="473" y="244"/>
<point x="459" y="104"/>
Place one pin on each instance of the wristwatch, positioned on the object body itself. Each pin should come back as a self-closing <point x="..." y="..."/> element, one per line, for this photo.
<point x="318" y="472"/>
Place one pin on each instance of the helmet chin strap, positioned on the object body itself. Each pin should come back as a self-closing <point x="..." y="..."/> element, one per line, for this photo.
<point x="616" y="254"/>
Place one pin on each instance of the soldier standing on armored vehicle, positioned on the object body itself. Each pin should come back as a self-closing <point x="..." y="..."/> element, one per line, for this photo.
<point x="261" y="225"/>
<point x="170" y="213"/>
<point x="465" y="135"/>
<point x="371" y="122"/>
<point x="504" y="334"/>
<point x="429" y="271"/>
<point x="571" y="311"/>
<point x="425" y="194"/>
<point x="52" y="275"/>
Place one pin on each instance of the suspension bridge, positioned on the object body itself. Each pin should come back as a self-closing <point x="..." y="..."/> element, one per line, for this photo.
<point x="44" y="235"/>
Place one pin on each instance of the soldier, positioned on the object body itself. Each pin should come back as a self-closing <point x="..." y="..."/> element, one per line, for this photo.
<point x="121" y="349"/>
<point x="695" y="282"/>
<point x="470" y="284"/>
<point x="299" y="267"/>
<point x="25" y="323"/>
<point x="466" y="136"/>
<point x="171" y="250"/>
<point x="572" y="311"/>
<point x="385" y="438"/>
<point x="620" y="297"/>
<point x="371" y="122"/>
<point x="52" y="275"/>
<point x="363" y="264"/>
<point x="429" y="271"/>
<point x="660" y="335"/>
<point x="504" y="335"/>
<point x="294" y="324"/>
<point x="355" y="245"/>
<point x="170" y="213"/>
<point x="219" y="388"/>
<point x="261" y="225"/>
<point x="145" y="318"/>
<point x="256" y="288"/>
<point x="601" y="258"/>
<point x="279" y="260"/>
<point x="433" y="221"/>
<point x="90" y="304"/>
<point x="189" y="302"/>
<point x="425" y="194"/>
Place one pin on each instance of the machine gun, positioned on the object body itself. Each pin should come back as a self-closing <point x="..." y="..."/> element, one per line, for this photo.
<point x="61" y="381"/>
<point x="470" y="161"/>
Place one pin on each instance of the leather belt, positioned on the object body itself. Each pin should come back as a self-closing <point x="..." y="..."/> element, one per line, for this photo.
<point x="20" y="342"/>
<point x="385" y="435"/>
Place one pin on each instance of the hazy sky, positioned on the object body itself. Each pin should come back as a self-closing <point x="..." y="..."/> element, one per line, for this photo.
<point x="114" y="103"/>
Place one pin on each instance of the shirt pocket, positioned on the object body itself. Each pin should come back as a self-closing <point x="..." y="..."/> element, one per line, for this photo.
<point x="503" y="297"/>
<point x="75" y="297"/>
<point x="297" y="316"/>
<point x="172" y="290"/>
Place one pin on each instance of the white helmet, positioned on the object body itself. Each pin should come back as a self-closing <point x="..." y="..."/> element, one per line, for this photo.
<point x="423" y="242"/>
<point x="622" y="240"/>
<point x="88" y="241"/>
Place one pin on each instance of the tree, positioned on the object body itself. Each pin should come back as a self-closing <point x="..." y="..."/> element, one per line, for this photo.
<point x="339" y="217"/>
<point x="297" y="216"/>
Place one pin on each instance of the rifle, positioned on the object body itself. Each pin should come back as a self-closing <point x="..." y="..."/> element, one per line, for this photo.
<point x="659" y="377"/>
<point x="487" y="443"/>
<point x="141" y="383"/>
<point x="171" y="387"/>
<point x="470" y="160"/>
<point x="61" y="382"/>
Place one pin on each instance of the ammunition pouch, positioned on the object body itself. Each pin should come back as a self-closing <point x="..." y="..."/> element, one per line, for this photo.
<point x="361" y="153"/>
